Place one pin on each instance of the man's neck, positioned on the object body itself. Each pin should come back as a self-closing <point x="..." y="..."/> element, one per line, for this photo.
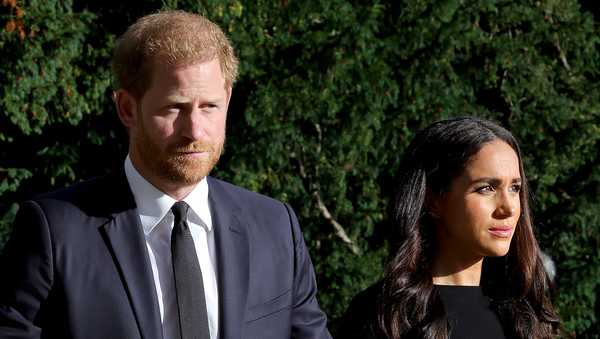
<point x="175" y="190"/>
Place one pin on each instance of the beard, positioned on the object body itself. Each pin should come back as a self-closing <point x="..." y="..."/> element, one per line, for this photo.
<point x="170" y="162"/>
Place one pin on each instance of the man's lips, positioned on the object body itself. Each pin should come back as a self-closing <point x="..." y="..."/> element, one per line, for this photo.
<point x="188" y="151"/>
<point x="193" y="154"/>
<point x="501" y="231"/>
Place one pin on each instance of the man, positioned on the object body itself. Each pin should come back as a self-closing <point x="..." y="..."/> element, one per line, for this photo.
<point x="161" y="250"/>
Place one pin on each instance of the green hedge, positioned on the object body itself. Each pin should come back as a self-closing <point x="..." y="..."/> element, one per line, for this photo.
<point x="330" y="93"/>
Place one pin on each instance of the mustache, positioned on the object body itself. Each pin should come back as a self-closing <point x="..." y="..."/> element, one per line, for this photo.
<point x="192" y="147"/>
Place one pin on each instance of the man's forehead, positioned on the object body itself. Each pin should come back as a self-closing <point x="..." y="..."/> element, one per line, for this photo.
<point x="173" y="72"/>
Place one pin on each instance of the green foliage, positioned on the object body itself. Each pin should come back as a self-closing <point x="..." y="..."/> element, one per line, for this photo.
<point x="329" y="95"/>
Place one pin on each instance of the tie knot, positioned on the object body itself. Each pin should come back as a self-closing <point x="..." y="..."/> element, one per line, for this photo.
<point x="180" y="210"/>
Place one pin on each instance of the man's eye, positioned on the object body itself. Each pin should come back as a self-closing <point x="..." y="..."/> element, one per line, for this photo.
<point x="173" y="108"/>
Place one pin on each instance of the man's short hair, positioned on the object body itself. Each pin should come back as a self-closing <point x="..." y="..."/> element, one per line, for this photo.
<point x="173" y="38"/>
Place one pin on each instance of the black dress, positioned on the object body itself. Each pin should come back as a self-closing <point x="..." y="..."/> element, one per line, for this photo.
<point x="467" y="309"/>
<point x="469" y="313"/>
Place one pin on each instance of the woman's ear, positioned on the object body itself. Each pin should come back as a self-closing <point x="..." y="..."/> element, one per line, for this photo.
<point x="432" y="203"/>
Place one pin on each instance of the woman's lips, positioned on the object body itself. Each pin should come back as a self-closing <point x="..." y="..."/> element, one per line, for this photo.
<point x="501" y="232"/>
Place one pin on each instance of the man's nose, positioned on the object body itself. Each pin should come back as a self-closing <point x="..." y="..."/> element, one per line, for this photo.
<point x="193" y="124"/>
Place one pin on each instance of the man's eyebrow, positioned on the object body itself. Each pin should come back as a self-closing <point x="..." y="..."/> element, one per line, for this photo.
<point x="177" y="98"/>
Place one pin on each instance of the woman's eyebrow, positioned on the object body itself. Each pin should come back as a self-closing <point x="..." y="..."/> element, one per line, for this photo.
<point x="489" y="180"/>
<point x="494" y="181"/>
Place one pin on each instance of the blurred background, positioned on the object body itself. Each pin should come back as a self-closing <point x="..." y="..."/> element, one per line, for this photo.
<point x="329" y="95"/>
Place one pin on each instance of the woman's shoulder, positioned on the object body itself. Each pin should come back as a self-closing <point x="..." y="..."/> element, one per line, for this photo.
<point x="360" y="319"/>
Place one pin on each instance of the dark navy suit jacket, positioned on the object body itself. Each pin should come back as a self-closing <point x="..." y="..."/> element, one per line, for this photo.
<point x="76" y="266"/>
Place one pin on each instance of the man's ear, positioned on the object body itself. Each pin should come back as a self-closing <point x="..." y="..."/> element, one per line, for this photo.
<point x="126" y="105"/>
<point x="228" y="89"/>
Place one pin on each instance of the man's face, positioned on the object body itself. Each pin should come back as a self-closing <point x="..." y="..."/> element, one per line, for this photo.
<point x="178" y="131"/>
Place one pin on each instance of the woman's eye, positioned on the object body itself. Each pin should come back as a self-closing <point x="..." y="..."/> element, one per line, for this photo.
<point x="485" y="189"/>
<point x="515" y="188"/>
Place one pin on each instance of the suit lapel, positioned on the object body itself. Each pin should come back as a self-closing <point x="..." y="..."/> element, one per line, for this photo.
<point x="125" y="239"/>
<point x="231" y="242"/>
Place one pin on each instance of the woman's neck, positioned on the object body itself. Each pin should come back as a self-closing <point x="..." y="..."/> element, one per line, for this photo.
<point x="450" y="269"/>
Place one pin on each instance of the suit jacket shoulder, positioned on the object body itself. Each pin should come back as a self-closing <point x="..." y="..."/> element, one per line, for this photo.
<point x="264" y="215"/>
<point x="279" y="286"/>
<point x="243" y="196"/>
<point x="99" y="197"/>
<point x="77" y="266"/>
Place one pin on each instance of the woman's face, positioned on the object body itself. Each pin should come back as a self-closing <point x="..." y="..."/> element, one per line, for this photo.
<point x="478" y="215"/>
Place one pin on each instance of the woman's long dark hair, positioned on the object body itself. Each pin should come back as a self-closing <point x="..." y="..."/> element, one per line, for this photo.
<point x="517" y="284"/>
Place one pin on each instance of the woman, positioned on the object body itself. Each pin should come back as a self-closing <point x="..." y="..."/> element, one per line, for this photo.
<point x="465" y="262"/>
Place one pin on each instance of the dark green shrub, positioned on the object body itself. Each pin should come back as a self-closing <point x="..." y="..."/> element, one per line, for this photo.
<point x="330" y="93"/>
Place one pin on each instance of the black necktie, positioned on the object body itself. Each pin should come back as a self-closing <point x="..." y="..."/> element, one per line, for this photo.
<point x="189" y="289"/>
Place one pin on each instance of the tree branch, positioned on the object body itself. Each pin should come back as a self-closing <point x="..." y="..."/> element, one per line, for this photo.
<point x="339" y="230"/>
<point x="561" y="54"/>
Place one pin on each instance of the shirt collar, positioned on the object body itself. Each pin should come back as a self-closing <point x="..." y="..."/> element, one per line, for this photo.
<point x="153" y="205"/>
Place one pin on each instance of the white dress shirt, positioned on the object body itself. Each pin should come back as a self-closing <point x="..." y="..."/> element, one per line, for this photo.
<point x="154" y="208"/>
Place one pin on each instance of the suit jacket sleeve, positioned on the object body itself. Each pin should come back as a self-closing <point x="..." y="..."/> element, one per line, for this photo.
<point x="308" y="321"/>
<point x="27" y="276"/>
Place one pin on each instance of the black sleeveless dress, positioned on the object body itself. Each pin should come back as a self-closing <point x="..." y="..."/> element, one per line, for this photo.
<point x="468" y="311"/>
<point x="467" y="308"/>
